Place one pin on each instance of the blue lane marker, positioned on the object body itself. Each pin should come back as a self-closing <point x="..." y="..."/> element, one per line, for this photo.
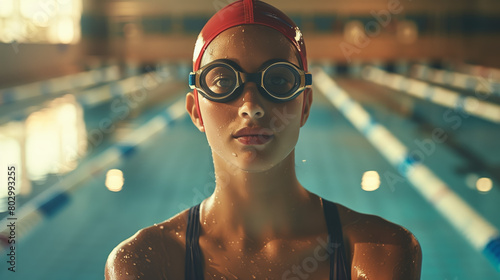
<point x="54" y="204"/>
<point x="492" y="252"/>
<point x="406" y="164"/>
<point x="167" y="116"/>
<point x="368" y="127"/>
<point x="19" y="116"/>
<point x="126" y="151"/>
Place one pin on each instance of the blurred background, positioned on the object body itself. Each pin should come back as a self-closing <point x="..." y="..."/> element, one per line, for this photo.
<point x="405" y="125"/>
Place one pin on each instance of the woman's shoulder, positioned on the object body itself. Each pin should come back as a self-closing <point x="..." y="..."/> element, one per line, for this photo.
<point x="372" y="228"/>
<point x="154" y="252"/>
<point x="376" y="244"/>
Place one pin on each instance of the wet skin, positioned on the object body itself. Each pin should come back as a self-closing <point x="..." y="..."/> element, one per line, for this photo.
<point x="261" y="221"/>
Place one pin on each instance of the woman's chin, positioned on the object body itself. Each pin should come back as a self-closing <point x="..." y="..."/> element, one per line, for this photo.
<point x="253" y="164"/>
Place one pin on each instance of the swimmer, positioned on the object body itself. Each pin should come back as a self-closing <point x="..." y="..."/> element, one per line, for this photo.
<point x="251" y="95"/>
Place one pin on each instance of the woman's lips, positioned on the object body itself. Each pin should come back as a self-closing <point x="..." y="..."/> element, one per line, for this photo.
<point x="254" y="139"/>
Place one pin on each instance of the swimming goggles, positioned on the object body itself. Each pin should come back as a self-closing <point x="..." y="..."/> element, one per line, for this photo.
<point x="220" y="81"/>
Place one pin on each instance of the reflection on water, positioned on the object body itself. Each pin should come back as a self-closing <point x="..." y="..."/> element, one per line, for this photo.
<point x="50" y="141"/>
<point x="114" y="180"/>
<point x="55" y="136"/>
<point x="484" y="184"/>
<point x="370" y="181"/>
<point x="11" y="154"/>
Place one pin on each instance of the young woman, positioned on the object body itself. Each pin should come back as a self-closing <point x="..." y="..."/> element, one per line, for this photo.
<point x="251" y="97"/>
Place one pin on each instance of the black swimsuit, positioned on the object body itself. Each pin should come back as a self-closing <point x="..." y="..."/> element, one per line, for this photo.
<point x="339" y="270"/>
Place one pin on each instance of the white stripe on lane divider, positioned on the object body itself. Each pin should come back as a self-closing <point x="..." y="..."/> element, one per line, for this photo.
<point x="438" y="95"/>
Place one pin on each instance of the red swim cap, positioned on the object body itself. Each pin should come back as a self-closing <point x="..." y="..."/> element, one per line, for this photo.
<point x="247" y="12"/>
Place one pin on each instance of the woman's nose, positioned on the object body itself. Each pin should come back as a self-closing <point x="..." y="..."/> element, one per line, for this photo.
<point x="252" y="106"/>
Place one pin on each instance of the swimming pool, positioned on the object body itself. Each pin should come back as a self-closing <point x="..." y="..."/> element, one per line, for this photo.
<point x="172" y="171"/>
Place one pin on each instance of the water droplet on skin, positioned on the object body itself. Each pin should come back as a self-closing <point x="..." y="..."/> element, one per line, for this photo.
<point x="150" y="248"/>
<point x="133" y="263"/>
<point x="155" y="225"/>
<point x="161" y="227"/>
<point x="252" y="261"/>
<point x="253" y="276"/>
<point x="243" y="30"/>
<point x="148" y="260"/>
<point x="235" y="155"/>
<point x="234" y="276"/>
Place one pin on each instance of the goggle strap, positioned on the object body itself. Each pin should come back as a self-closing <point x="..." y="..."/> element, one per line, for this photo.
<point x="192" y="79"/>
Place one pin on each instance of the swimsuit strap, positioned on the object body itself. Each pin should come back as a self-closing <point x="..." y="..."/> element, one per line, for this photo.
<point x="339" y="269"/>
<point x="194" y="262"/>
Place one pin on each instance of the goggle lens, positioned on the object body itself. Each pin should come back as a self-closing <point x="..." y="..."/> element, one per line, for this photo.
<point x="220" y="80"/>
<point x="281" y="80"/>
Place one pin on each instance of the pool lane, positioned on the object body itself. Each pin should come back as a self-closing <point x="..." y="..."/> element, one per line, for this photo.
<point x="173" y="171"/>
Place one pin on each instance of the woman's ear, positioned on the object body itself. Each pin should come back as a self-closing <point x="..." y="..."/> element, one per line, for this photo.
<point x="306" y="108"/>
<point x="193" y="112"/>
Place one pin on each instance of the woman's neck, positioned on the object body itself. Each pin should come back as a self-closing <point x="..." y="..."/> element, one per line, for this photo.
<point x="257" y="205"/>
